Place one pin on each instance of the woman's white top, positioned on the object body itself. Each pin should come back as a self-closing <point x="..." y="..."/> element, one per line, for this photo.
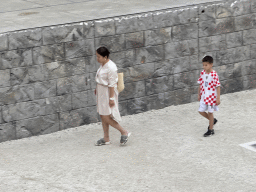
<point x="107" y="74"/>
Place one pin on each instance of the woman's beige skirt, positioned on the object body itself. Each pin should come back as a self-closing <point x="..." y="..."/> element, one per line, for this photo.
<point x="103" y="108"/>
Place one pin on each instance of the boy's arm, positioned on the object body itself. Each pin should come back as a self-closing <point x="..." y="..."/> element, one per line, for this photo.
<point x="218" y="96"/>
<point x="199" y="95"/>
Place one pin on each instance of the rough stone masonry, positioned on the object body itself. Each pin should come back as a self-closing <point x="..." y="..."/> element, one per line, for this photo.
<point x="47" y="74"/>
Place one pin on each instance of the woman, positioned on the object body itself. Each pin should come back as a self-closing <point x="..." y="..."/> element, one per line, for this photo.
<point x="107" y="97"/>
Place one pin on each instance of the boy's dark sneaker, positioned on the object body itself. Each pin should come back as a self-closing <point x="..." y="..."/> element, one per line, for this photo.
<point x="214" y="122"/>
<point x="210" y="132"/>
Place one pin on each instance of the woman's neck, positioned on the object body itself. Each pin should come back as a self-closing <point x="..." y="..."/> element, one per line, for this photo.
<point x="105" y="62"/>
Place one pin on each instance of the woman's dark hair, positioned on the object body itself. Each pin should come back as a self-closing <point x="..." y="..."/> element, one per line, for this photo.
<point x="103" y="51"/>
<point x="208" y="59"/>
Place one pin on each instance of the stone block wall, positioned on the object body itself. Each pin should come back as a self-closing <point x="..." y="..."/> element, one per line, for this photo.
<point x="47" y="74"/>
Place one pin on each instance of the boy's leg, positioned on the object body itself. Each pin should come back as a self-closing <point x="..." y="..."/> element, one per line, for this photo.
<point x="204" y="114"/>
<point x="211" y="120"/>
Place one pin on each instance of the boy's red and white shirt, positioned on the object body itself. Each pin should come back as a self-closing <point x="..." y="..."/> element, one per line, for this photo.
<point x="208" y="84"/>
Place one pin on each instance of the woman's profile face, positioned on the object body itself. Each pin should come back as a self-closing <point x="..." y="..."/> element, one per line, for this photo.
<point x="101" y="59"/>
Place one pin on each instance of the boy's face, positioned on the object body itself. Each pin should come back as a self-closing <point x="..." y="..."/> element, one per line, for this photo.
<point x="207" y="66"/>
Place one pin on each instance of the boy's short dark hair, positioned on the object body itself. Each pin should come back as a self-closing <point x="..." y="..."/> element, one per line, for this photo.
<point x="208" y="59"/>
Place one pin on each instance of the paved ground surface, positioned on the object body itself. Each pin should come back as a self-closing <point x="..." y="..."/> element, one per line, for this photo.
<point x="166" y="152"/>
<point x="23" y="14"/>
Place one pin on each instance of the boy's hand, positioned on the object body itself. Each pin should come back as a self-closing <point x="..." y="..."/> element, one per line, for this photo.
<point x="218" y="101"/>
<point x="199" y="97"/>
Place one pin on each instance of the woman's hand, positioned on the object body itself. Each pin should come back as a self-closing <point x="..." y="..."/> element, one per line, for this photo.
<point x="111" y="103"/>
<point x="199" y="97"/>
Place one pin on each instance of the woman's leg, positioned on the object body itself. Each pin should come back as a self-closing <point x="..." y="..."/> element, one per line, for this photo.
<point x="105" y="126"/>
<point x="114" y="124"/>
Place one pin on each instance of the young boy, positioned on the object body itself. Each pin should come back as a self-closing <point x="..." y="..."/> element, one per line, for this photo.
<point x="208" y="93"/>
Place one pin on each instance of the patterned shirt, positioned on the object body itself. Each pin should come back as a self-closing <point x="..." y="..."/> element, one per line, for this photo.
<point x="208" y="84"/>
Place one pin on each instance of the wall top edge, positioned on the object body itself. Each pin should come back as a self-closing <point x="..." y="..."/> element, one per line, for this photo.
<point x="6" y="30"/>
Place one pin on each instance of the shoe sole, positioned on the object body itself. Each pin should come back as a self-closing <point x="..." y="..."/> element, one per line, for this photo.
<point x="129" y="134"/>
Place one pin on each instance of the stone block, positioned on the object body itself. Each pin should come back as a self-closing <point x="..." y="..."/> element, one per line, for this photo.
<point x="7" y="132"/>
<point x="92" y="81"/>
<point x="64" y="68"/>
<point x="122" y="106"/>
<point x="162" y="19"/>
<point x="45" y="89"/>
<point x="139" y="72"/>
<point x="234" y="39"/>
<point x="163" y="68"/>
<point x="15" y="94"/>
<point x="91" y="97"/>
<point x="215" y="27"/>
<point x="245" y="68"/>
<point x="73" y="84"/>
<point x="233" y="55"/>
<point x="16" y="58"/>
<point x="253" y="6"/>
<point x="159" y="85"/>
<point x="193" y="63"/>
<point x="80" y="100"/>
<point x="78" y="117"/>
<point x="245" y="22"/>
<point x="225" y="72"/>
<point x="156" y="101"/>
<point x="123" y="59"/>
<point x="158" y="36"/>
<point x="232" y="8"/>
<point x="232" y="85"/>
<point x="207" y="12"/>
<point x="1" y="118"/>
<point x="185" y="15"/>
<point x="145" y="21"/>
<point x="194" y="93"/>
<point x="104" y="27"/>
<point x="134" y="40"/>
<point x="249" y="82"/>
<point x="137" y="105"/>
<point x="58" y="104"/>
<point x="183" y="64"/>
<point x="89" y="29"/>
<point x="25" y="38"/>
<point x="82" y="48"/>
<point x="90" y="64"/>
<point x="49" y="53"/>
<point x="5" y="78"/>
<point x="126" y="24"/>
<point x="132" y="90"/>
<point x="25" y="75"/>
<point x="37" y="126"/>
<point x="212" y="43"/>
<point x="178" y="97"/>
<point x="23" y="110"/>
<point x="249" y="36"/>
<point x="149" y="54"/>
<point x="186" y="79"/>
<point x="112" y="43"/>
<point x="183" y="32"/>
<point x="253" y="51"/>
<point x="62" y="33"/>
<point x="181" y="48"/>
<point x="3" y="42"/>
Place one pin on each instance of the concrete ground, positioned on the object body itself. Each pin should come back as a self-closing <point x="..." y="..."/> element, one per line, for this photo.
<point x="23" y="14"/>
<point x="166" y="153"/>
